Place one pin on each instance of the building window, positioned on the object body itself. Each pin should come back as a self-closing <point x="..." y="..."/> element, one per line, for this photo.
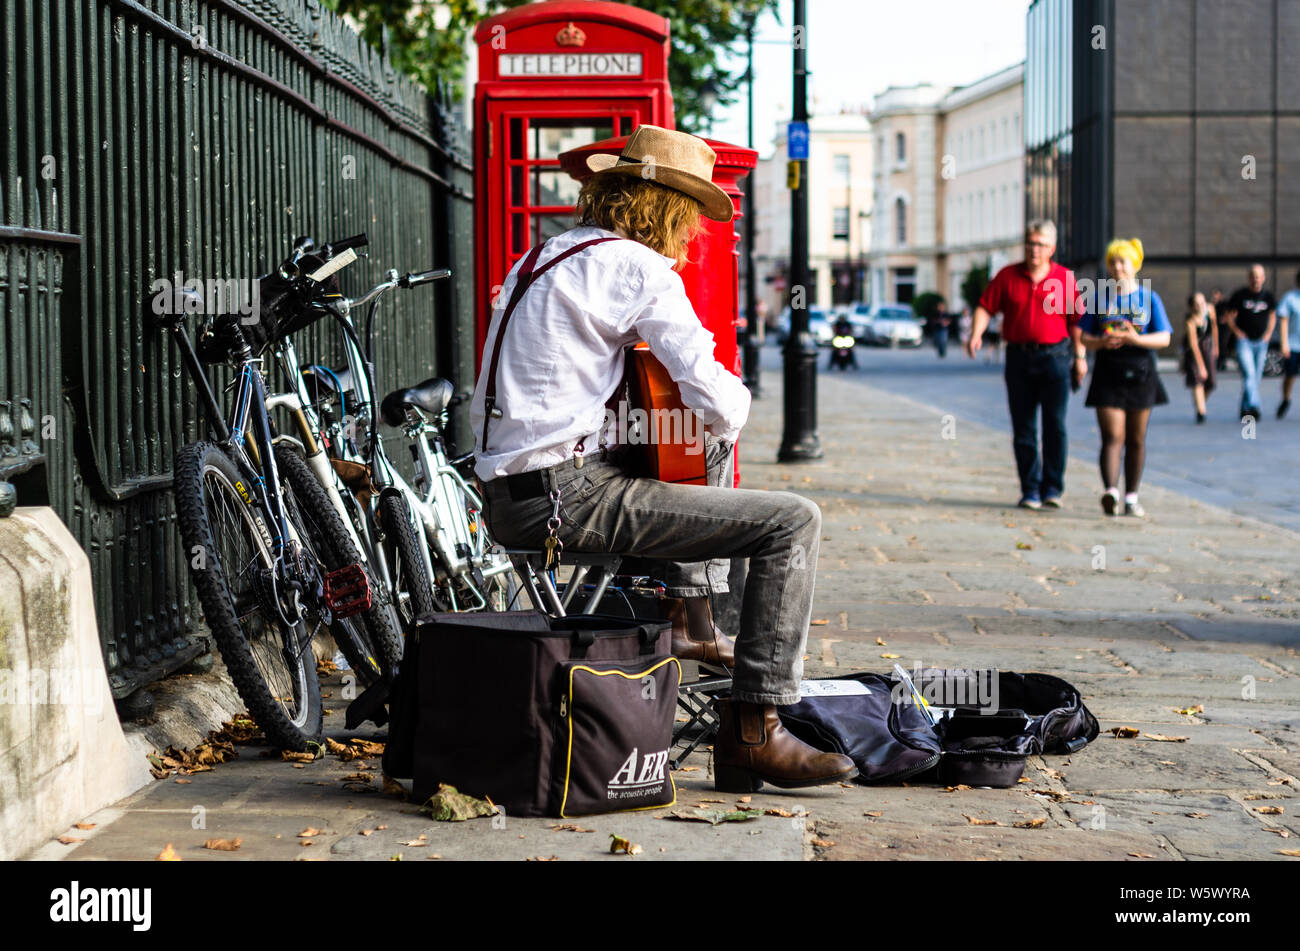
<point x="900" y="222"/>
<point x="842" y="171"/>
<point x="900" y="148"/>
<point x="840" y="226"/>
<point x="904" y="284"/>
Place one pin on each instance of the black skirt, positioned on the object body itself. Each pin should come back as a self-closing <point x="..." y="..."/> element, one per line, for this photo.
<point x="1126" y="379"/>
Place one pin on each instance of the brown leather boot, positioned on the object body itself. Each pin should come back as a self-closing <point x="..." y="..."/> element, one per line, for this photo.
<point x="696" y="637"/>
<point x="752" y="747"/>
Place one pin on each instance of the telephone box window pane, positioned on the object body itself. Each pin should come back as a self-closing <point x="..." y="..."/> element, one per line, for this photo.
<point x="554" y="186"/>
<point x="517" y="187"/>
<point x="551" y="136"/>
<point x="516" y="139"/>
<point x="518" y="236"/>
<point x="548" y="226"/>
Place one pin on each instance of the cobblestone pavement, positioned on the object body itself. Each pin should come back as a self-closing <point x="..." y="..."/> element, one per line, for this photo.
<point x="923" y="550"/>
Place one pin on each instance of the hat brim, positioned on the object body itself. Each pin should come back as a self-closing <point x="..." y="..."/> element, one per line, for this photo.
<point x="717" y="204"/>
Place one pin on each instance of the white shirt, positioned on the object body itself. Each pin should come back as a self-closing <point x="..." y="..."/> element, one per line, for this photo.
<point x="561" y="359"/>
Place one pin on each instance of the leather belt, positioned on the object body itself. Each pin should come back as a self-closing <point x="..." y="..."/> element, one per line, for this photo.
<point x="538" y="483"/>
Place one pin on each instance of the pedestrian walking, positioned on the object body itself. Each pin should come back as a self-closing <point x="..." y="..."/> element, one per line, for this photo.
<point x="1200" y="351"/>
<point x="1288" y="312"/>
<point x="942" y="323"/>
<point x="1126" y="325"/>
<point x="1251" y="315"/>
<point x="1039" y="305"/>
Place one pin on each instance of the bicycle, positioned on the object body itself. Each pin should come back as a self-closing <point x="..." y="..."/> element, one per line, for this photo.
<point x="272" y="562"/>
<point x="427" y="538"/>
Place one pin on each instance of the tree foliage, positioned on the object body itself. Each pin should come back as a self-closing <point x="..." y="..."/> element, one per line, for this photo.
<point x="704" y="31"/>
<point x="972" y="288"/>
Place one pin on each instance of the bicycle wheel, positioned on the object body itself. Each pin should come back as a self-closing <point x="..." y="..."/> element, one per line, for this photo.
<point x="412" y="586"/>
<point x="229" y="547"/>
<point x="369" y="640"/>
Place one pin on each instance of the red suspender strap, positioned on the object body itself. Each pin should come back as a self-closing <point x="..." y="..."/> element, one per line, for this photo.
<point x="523" y="280"/>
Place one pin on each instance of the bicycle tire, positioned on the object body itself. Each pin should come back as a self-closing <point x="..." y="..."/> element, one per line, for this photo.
<point x="414" y="599"/>
<point x="211" y="512"/>
<point x="369" y="640"/>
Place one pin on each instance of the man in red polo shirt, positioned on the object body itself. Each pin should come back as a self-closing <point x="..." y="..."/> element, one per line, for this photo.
<point x="1040" y="310"/>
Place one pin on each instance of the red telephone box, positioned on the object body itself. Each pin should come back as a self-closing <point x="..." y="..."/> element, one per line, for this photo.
<point x="553" y="76"/>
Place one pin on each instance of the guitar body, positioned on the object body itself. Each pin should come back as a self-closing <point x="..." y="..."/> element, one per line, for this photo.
<point x="651" y="389"/>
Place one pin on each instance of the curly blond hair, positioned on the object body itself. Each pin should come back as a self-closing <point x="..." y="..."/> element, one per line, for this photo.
<point x="660" y="217"/>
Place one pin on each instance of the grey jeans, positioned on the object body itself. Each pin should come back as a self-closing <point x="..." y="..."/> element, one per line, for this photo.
<point x="693" y="579"/>
<point x="603" y="509"/>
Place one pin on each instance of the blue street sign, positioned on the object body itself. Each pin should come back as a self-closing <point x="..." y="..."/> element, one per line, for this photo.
<point x="796" y="141"/>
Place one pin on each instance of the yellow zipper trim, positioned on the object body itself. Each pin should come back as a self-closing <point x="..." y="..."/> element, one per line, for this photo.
<point x="568" y="759"/>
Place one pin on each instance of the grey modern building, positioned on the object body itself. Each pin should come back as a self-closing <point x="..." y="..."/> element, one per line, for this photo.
<point x="1175" y="121"/>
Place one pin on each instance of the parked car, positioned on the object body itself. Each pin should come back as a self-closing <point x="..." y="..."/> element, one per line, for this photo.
<point x="819" y="325"/>
<point x="886" y="325"/>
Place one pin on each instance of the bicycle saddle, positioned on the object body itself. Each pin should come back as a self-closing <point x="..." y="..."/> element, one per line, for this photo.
<point x="433" y="396"/>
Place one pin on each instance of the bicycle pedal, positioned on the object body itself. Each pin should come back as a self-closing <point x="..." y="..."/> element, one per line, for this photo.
<point x="347" y="591"/>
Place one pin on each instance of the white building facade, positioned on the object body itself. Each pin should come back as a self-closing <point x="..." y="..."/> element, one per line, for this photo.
<point x="839" y="213"/>
<point x="948" y="188"/>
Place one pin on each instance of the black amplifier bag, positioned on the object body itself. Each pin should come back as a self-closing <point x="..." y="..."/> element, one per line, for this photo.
<point x="545" y="716"/>
<point x="887" y="741"/>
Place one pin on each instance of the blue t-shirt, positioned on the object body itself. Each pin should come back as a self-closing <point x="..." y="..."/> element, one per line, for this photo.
<point x="1290" y="309"/>
<point x="1143" y="309"/>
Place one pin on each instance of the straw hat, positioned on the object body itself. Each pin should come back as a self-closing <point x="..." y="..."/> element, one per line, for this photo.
<point x="676" y="159"/>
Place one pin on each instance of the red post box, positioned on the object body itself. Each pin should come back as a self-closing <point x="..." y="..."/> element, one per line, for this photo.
<point x="553" y="76"/>
<point x="712" y="275"/>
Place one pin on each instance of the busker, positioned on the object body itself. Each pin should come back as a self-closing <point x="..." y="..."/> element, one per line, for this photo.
<point x="547" y="452"/>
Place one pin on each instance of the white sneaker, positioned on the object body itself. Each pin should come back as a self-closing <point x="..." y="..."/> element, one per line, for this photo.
<point x="1135" y="509"/>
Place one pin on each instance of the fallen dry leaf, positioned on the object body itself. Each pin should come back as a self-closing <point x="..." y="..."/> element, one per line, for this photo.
<point x="308" y="832"/>
<point x="381" y="828"/>
<point x="1031" y="823"/>
<point x="69" y="839"/>
<point x="539" y="858"/>
<point x="1124" y="732"/>
<point x="880" y="642"/>
<point x="687" y="769"/>
<point x="391" y="787"/>
<point x="366" y="832"/>
<point x="956" y="788"/>
<point x="306" y="842"/>
<point x="1192" y="711"/>
<point x="823" y="843"/>
<point x="1141" y="855"/>
<point x="1269" y="810"/>
<point x="780" y="813"/>
<point x="1161" y="738"/>
<point x="891" y="656"/>
<point x="1197" y="815"/>
<point x="744" y="799"/>
<point x="980" y="822"/>
<point x="1024" y="546"/>
<point x="570" y="827"/>
<point x="703" y="801"/>
<point x="289" y="756"/>
<point x="619" y="844"/>
<point x="223" y="845"/>
<point x="875" y="815"/>
<point x="354" y="778"/>
<point x="84" y="826"/>
<point x="415" y="843"/>
<point x="1294" y="853"/>
<point x="818" y="622"/>
<point x="168" y="854"/>
<point x="1167" y="762"/>
<point x="184" y="782"/>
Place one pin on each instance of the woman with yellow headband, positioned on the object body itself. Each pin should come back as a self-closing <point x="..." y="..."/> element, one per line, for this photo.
<point x="1125" y="324"/>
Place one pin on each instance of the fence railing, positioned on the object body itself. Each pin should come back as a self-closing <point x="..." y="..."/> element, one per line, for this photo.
<point x="140" y="141"/>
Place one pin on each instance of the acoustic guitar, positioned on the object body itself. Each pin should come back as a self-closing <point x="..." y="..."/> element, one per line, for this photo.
<point x="666" y="457"/>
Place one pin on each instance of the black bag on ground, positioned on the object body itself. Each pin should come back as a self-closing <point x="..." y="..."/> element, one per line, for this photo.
<point x="995" y="727"/>
<point x="546" y="716"/>
<point x="887" y="741"/>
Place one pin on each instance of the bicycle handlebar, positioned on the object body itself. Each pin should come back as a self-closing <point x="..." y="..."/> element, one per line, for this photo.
<point x="424" y="277"/>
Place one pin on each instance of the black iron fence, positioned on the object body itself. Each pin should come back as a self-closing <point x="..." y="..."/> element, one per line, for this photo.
<point x="145" y="140"/>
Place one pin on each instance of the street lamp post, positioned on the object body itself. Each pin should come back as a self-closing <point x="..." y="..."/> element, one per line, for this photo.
<point x="750" y="354"/>
<point x="799" y="441"/>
